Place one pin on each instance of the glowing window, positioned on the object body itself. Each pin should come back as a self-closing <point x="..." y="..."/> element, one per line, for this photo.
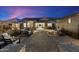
<point x="24" y="24"/>
<point x="69" y="20"/>
<point x="49" y="24"/>
<point x="28" y="24"/>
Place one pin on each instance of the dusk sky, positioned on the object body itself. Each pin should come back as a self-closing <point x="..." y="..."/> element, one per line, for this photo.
<point x="7" y="12"/>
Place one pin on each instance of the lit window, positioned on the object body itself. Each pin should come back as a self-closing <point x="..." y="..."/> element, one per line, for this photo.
<point x="69" y="20"/>
<point x="49" y="24"/>
<point x="28" y="24"/>
<point x="24" y="24"/>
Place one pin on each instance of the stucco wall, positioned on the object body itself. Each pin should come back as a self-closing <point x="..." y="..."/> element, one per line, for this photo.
<point x="71" y="27"/>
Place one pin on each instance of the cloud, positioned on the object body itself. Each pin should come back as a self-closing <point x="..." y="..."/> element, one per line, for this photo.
<point x="23" y="12"/>
<point x="15" y="12"/>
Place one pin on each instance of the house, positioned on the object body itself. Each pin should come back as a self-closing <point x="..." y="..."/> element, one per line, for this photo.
<point x="70" y="24"/>
<point x="15" y="24"/>
<point x="39" y="23"/>
<point x="34" y="23"/>
<point x="4" y="26"/>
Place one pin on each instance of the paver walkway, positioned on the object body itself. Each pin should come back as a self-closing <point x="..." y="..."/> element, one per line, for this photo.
<point x="41" y="42"/>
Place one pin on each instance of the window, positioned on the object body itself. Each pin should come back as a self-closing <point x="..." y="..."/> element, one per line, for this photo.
<point x="69" y="20"/>
<point x="49" y="24"/>
<point x="24" y="24"/>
